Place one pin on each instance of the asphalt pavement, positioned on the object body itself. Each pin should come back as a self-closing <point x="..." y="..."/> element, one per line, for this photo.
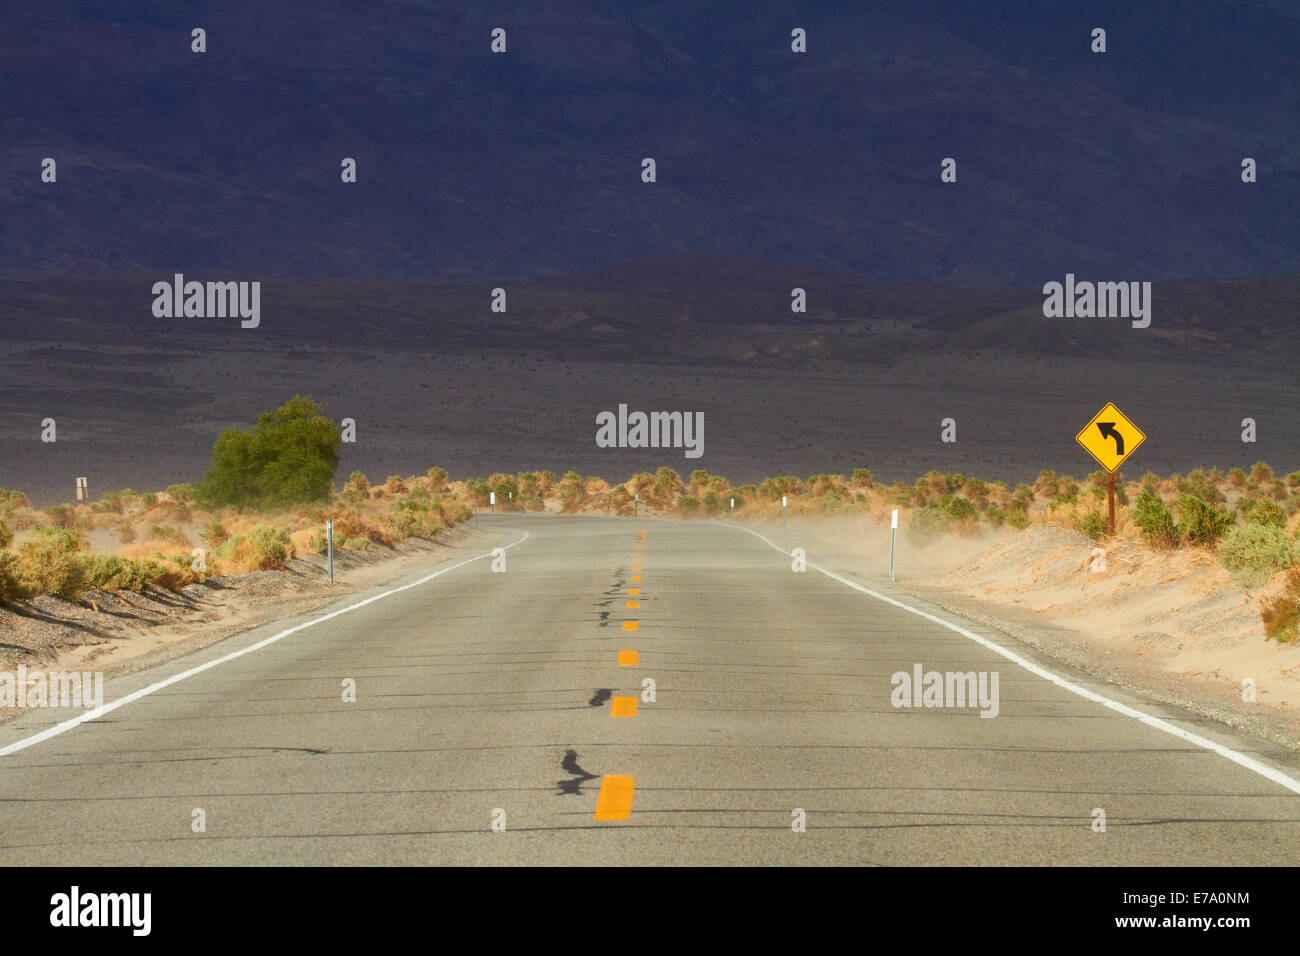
<point x="632" y="692"/>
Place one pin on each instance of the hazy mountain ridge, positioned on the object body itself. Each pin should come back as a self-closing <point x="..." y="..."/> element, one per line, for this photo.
<point x="1119" y="166"/>
<point x="677" y="309"/>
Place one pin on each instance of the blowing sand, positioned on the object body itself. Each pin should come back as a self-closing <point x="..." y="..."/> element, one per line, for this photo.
<point x="1173" y="625"/>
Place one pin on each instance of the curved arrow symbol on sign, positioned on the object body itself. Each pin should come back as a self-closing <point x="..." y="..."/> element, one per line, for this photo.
<point x="1107" y="430"/>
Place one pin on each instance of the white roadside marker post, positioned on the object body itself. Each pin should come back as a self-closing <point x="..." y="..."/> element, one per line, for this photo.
<point x="893" y="536"/>
<point x="636" y="504"/>
<point x="329" y="545"/>
<point x="783" y="514"/>
<point x="492" y="499"/>
<point x="82" y="492"/>
<point x="733" y="509"/>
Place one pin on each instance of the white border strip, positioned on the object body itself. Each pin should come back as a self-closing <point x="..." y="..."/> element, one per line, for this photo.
<point x="1250" y="763"/>
<point x="67" y="725"/>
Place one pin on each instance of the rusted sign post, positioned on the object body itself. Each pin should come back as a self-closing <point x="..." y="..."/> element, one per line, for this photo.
<point x="1110" y="438"/>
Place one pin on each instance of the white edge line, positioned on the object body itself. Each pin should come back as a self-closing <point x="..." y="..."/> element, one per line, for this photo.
<point x="67" y="725"/>
<point x="1250" y="763"/>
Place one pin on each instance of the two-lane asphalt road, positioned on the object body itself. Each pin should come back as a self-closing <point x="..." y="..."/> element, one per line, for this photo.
<point x="488" y="699"/>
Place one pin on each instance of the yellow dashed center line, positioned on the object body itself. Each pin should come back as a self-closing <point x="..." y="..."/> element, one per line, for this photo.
<point x="615" y="800"/>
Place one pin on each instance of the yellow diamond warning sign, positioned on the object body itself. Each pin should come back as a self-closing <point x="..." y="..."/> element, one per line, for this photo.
<point x="1110" y="437"/>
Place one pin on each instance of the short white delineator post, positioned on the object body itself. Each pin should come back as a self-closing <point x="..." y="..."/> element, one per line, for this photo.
<point x="893" y="536"/>
<point x="329" y="544"/>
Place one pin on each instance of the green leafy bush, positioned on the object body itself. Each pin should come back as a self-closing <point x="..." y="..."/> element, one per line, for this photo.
<point x="264" y="548"/>
<point x="1092" y="523"/>
<point x="1255" y="552"/>
<point x="774" y="488"/>
<point x="1198" y="484"/>
<point x="1201" y="522"/>
<point x="111" y="572"/>
<point x="667" y="482"/>
<point x="288" y="458"/>
<point x="272" y="544"/>
<point x="359" y="483"/>
<point x="1281" y="616"/>
<point x="11" y="584"/>
<point x="573" y="491"/>
<point x="48" y="563"/>
<point x="961" y="509"/>
<point x="926" y="524"/>
<point x="1022" y="496"/>
<point x="318" y="543"/>
<point x="1262" y="511"/>
<point x="1156" y="521"/>
<point x="1047" y="485"/>
<point x="479" y="489"/>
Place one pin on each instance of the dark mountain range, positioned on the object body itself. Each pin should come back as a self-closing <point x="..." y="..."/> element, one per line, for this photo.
<point x="475" y="166"/>
<point x="432" y="376"/>
<point x="677" y="309"/>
